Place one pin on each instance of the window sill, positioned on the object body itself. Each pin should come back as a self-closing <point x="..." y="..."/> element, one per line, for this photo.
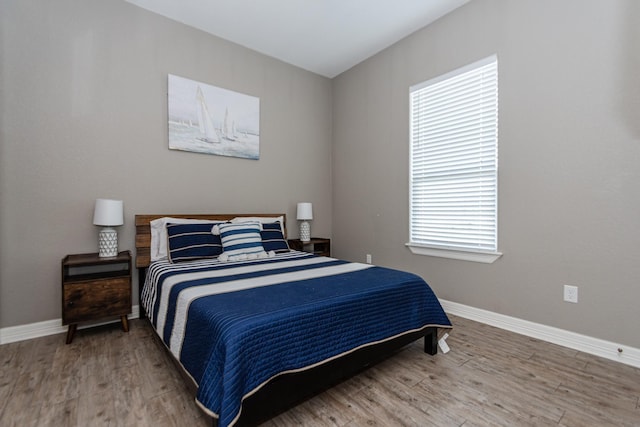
<point x="483" y="257"/>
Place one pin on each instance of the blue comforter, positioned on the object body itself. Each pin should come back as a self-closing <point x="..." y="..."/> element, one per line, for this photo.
<point x="234" y="326"/>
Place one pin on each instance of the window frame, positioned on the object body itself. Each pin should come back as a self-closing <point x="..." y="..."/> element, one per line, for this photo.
<point x="452" y="251"/>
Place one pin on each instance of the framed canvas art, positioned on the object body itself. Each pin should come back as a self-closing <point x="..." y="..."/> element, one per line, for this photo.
<point x="212" y="120"/>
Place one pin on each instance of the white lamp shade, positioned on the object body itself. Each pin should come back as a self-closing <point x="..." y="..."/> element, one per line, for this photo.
<point x="305" y="211"/>
<point x="108" y="212"/>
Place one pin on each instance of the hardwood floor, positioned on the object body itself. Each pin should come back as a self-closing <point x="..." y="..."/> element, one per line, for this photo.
<point x="489" y="378"/>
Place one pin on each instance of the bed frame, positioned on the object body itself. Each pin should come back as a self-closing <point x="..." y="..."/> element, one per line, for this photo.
<point x="284" y="391"/>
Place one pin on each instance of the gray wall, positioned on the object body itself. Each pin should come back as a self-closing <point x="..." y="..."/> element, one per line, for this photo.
<point x="83" y="115"/>
<point x="83" y="100"/>
<point x="569" y="150"/>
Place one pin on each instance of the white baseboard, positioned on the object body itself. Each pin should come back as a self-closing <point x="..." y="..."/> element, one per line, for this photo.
<point x="47" y="327"/>
<point x="584" y="343"/>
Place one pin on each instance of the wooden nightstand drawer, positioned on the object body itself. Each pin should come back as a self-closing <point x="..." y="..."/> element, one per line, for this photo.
<point x="317" y="245"/>
<point x="94" y="288"/>
<point x="95" y="299"/>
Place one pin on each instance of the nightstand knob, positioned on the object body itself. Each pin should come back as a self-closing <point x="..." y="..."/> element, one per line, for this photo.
<point x="70" y="304"/>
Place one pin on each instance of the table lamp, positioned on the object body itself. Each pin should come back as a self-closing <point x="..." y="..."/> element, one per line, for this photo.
<point x="108" y="213"/>
<point x="305" y="213"/>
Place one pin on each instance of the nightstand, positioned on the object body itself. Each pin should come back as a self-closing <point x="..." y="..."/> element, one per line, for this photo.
<point x="317" y="245"/>
<point x="94" y="288"/>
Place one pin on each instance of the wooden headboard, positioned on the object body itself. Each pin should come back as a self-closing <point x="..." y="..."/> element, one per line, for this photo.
<point x="143" y="230"/>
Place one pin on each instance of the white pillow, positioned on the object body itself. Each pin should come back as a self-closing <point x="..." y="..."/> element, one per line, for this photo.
<point x="261" y="219"/>
<point x="159" y="234"/>
<point x="241" y="241"/>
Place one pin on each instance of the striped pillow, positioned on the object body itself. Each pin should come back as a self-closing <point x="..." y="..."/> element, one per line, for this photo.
<point x="192" y="241"/>
<point x="240" y="240"/>
<point x="272" y="238"/>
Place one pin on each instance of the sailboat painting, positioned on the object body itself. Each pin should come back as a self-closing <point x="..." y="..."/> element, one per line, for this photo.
<point x="212" y="120"/>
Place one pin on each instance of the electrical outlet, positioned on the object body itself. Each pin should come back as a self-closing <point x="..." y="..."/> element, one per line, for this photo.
<point x="368" y="258"/>
<point x="571" y="293"/>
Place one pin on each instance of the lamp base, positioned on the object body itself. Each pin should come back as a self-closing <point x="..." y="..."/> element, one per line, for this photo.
<point x="305" y="231"/>
<point x="107" y="243"/>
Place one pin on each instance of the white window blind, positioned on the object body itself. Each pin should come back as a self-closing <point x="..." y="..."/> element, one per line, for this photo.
<point x="454" y="160"/>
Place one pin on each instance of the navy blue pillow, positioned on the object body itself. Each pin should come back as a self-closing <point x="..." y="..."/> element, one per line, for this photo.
<point x="272" y="238"/>
<point x="192" y="241"/>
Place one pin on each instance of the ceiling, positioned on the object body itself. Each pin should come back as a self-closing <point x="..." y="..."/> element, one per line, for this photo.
<point x="326" y="37"/>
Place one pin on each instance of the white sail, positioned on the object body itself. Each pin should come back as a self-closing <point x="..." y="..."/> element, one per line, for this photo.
<point x="234" y="133"/>
<point x="225" y="127"/>
<point x="204" y="119"/>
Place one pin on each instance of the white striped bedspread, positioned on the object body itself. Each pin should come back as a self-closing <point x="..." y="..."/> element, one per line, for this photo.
<point x="233" y="326"/>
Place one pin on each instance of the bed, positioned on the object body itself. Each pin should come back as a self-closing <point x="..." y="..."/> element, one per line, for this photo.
<point x="255" y="333"/>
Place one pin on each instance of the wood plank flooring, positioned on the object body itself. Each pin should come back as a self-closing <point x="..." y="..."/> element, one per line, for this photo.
<point x="490" y="377"/>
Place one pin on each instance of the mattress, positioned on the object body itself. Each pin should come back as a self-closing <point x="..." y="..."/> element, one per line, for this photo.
<point x="234" y="326"/>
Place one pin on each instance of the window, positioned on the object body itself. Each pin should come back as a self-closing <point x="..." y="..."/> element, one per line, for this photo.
<point x="454" y="164"/>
